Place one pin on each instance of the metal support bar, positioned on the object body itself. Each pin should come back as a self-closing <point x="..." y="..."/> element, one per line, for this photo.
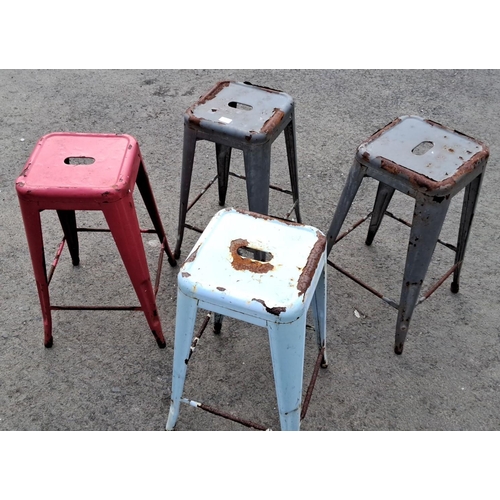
<point x="438" y="283"/>
<point x="190" y="206"/>
<point x="364" y="285"/>
<point x="310" y="389"/>
<point x="198" y="336"/>
<point x="406" y="223"/>
<point x="56" y="260"/>
<point x="352" y="228"/>
<point x="225" y="415"/>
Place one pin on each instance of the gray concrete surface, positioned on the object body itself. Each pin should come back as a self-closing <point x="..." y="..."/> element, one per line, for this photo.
<point x="105" y="371"/>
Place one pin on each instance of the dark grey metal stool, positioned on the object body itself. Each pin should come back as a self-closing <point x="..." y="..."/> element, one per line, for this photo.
<point x="246" y="117"/>
<point x="430" y="163"/>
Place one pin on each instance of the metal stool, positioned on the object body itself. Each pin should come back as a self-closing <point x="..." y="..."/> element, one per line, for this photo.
<point x="430" y="163"/>
<point x="68" y="172"/>
<point x="221" y="274"/>
<point x="246" y="117"/>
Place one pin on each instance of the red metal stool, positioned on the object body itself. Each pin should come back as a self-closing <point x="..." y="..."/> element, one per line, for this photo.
<point x="68" y="172"/>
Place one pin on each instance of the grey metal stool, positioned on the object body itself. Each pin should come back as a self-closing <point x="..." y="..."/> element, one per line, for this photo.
<point x="246" y="117"/>
<point x="430" y="163"/>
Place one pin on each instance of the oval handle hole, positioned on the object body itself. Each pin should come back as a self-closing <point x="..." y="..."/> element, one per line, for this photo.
<point x="253" y="253"/>
<point x="79" y="160"/>
<point x="422" y="148"/>
<point x="240" y="105"/>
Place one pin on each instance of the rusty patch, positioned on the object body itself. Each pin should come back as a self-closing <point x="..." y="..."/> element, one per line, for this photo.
<point x="312" y="263"/>
<point x="244" y="264"/>
<point x="422" y="182"/>
<point x="271" y="310"/>
<point x="221" y="289"/>
<point x="384" y="129"/>
<point x="211" y="93"/>
<point x="191" y="257"/>
<point x="272" y="122"/>
<point x="186" y="275"/>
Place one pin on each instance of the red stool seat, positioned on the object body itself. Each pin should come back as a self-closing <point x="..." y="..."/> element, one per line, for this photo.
<point x="71" y="171"/>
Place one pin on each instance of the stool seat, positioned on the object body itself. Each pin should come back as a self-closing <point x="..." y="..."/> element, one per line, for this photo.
<point x="246" y="117"/>
<point x="77" y="171"/>
<point x="106" y="175"/>
<point x="263" y="271"/>
<point x="241" y="111"/>
<point x="218" y="272"/>
<point x="422" y="154"/>
<point x="431" y="163"/>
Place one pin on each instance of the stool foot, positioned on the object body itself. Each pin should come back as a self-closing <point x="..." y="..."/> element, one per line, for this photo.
<point x="48" y="343"/>
<point x="218" y="323"/>
<point x="454" y="287"/>
<point x="161" y="343"/>
<point x="398" y="348"/>
<point x="324" y="361"/>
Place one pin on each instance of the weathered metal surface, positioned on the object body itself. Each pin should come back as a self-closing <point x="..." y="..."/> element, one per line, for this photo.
<point x="449" y="157"/>
<point x="245" y="264"/>
<point x="313" y="260"/>
<point x="260" y="291"/>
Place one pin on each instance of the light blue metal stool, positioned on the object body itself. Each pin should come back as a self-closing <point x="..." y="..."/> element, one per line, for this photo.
<point x="263" y="271"/>
<point x="430" y="163"/>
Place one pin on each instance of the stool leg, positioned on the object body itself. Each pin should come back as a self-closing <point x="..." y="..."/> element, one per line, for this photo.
<point x="319" y="313"/>
<point x="223" y="154"/>
<point x="184" y="329"/>
<point x="33" y="226"/>
<point x="257" y="171"/>
<point x="471" y="196"/>
<point x="291" y="149"/>
<point x="188" y="151"/>
<point x="122" y="221"/>
<point x="147" y="195"/>
<point x="382" y="200"/>
<point x="287" y="343"/>
<point x="351" y="187"/>
<point x="67" y="219"/>
<point x="427" y="222"/>
<point x="218" y="322"/>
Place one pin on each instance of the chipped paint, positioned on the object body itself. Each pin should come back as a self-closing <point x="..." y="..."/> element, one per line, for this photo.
<point x="309" y="270"/>
<point x="273" y="122"/>
<point x="271" y="310"/>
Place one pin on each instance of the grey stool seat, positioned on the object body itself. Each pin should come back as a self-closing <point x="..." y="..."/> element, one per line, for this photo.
<point x="246" y="117"/>
<point x="430" y="163"/>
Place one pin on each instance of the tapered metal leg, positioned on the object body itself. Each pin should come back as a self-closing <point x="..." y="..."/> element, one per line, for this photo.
<point x="351" y="187"/>
<point x="291" y="148"/>
<point x="223" y="154"/>
<point x="319" y="313"/>
<point x="382" y="200"/>
<point x="67" y="219"/>
<point x="149" y="200"/>
<point x="471" y="196"/>
<point x="257" y="171"/>
<point x="287" y="343"/>
<point x="184" y="328"/>
<point x="188" y="151"/>
<point x="33" y="226"/>
<point x="428" y="219"/>
<point x="122" y="220"/>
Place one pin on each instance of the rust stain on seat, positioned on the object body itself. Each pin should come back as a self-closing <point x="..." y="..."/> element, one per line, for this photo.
<point x="244" y="264"/>
<point x="309" y="270"/>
